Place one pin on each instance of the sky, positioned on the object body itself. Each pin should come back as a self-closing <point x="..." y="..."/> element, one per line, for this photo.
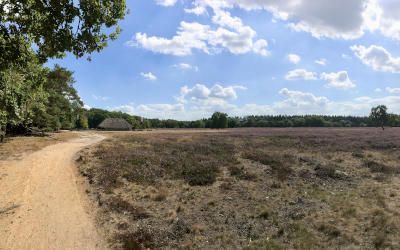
<point x="185" y="59"/>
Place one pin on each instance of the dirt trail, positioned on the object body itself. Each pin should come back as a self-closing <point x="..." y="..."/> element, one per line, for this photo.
<point x="41" y="204"/>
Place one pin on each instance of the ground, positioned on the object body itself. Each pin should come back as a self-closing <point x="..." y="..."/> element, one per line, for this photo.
<point x="287" y="188"/>
<point x="247" y="188"/>
<point x="42" y="205"/>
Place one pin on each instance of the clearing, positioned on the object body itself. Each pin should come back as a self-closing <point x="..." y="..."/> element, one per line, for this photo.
<point x="292" y="188"/>
<point x="41" y="205"/>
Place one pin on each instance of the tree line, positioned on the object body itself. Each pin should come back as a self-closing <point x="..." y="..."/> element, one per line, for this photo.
<point x="378" y="118"/>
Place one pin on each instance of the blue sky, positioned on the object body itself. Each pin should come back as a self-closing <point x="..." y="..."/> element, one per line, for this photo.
<point x="185" y="59"/>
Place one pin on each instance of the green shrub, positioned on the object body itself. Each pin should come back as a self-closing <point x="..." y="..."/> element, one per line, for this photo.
<point x="197" y="174"/>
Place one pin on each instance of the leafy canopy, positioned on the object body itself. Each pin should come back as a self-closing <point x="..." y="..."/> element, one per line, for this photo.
<point x="53" y="27"/>
<point x="379" y="115"/>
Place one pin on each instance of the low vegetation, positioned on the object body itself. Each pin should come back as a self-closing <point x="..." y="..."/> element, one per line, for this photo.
<point x="247" y="189"/>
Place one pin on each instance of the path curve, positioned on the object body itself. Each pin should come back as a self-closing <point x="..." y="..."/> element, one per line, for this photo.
<point x="42" y="205"/>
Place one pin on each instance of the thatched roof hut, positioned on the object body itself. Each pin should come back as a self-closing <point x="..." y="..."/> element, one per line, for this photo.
<point x="117" y="124"/>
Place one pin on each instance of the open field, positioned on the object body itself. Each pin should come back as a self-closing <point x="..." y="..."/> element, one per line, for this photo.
<point x="247" y="188"/>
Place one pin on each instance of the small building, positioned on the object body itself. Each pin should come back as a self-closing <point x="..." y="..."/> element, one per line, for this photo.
<point x="115" y="124"/>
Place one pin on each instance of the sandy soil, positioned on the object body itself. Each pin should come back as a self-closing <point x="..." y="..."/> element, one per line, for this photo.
<point x="42" y="204"/>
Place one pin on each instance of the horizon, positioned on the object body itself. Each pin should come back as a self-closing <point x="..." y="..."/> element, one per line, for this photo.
<point x="183" y="60"/>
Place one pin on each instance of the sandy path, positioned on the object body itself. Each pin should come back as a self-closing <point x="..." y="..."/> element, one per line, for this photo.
<point x="41" y="205"/>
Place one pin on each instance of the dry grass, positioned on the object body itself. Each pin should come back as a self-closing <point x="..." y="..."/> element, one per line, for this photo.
<point x="248" y="189"/>
<point x="16" y="147"/>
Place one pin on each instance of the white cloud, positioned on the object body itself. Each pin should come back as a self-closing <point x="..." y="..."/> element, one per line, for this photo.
<point x="338" y="80"/>
<point x="300" y="74"/>
<point x="229" y="35"/>
<point x="293" y="58"/>
<point x="393" y="90"/>
<point x="163" y="111"/>
<point x="101" y="98"/>
<point x="323" y="18"/>
<point x="298" y="102"/>
<point x="321" y="61"/>
<point x="378" y="90"/>
<point x="166" y="3"/>
<point x="215" y="94"/>
<point x="339" y="19"/>
<point x="198" y="10"/>
<point x="87" y="107"/>
<point x="186" y="66"/>
<point x="149" y="76"/>
<point x="378" y="58"/>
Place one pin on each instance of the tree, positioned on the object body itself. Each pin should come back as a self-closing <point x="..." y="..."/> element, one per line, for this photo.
<point x="21" y="95"/>
<point x="219" y="120"/>
<point x="55" y="27"/>
<point x="82" y="122"/>
<point x="379" y="116"/>
<point x="65" y="103"/>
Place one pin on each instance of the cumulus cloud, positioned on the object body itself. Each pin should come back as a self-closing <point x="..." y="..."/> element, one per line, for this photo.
<point x="229" y="35"/>
<point x="293" y="58"/>
<point x="166" y="3"/>
<point x="324" y="18"/>
<point x="393" y="90"/>
<point x="198" y="10"/>
<point x="300" y="74"/>
<point x="163" y="111"/>
<point x="378" y="58"/>
<point x="149" y="76"/>
<point x="298" y="102"/>
<point x="340" y="19"/>
<point x="338" y="80"/>
<point x="216" y="94"/>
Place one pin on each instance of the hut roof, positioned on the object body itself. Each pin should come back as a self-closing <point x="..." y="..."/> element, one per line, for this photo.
<point x="115" y="124"/>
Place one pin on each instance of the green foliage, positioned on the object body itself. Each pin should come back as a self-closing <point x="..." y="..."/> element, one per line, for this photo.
<point x="83" y="122"/>
<point x="56" y="27"/>
<point x="39" y="97"/>
<point x="379" y="115"/>
<point x="219" y="120"/>
<point x="30" y="94"/>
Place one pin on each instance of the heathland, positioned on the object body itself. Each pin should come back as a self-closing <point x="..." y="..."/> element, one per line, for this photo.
<point x="299" y="188"/>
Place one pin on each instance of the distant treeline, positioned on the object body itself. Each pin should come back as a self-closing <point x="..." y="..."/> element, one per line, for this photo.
<point x="220" y="120"/>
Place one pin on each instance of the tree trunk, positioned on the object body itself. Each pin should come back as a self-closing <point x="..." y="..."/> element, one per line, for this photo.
<point x="2" y="135"/>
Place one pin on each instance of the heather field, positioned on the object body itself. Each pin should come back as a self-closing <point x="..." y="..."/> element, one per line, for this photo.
<point x="322" y="188"/>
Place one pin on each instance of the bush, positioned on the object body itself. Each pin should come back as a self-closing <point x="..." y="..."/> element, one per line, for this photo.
<point x="377" y="167"/>
<point x="138" y="240"/>
<point x="326" y="171"/>
<point x="240" y="173"/>
<point x="279" y="163"/>
<point x="198" y="174"/>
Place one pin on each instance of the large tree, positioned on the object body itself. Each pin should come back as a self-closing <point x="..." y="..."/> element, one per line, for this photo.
<point x="379" y="116"/>
<point x="53" y="27"/>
